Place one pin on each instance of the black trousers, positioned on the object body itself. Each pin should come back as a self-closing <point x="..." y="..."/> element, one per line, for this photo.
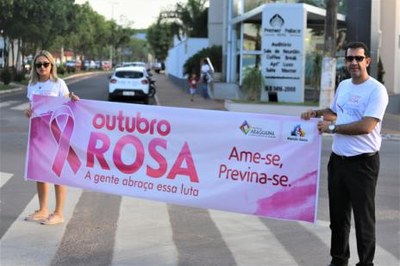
<point x="351" y="186"/>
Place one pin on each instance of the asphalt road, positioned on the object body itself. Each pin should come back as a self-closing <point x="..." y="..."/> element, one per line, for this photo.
<point x="103" y="229"/>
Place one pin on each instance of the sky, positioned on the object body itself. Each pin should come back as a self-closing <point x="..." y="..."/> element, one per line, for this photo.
<point x="141" y="13"/>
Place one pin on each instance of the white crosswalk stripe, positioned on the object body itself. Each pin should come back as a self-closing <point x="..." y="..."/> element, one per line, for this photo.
<point x="135" y="245"/>
<point x="144" y="236"/>
<point x="20" y="107"/>
<point x="7" y="103"/>
<point x="4" y="177"/>
<point x="32" y="243"/>
<point x="322" y="231"/>
<point x="249" y="239"/>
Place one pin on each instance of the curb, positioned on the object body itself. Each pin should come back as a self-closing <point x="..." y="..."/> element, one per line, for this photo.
<point x="66" y="78"/>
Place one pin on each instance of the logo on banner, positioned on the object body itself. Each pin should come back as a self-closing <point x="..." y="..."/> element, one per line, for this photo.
<point x="61" y="128"/>
<point x="249" y="130"/>
<point x="298" y="133"/>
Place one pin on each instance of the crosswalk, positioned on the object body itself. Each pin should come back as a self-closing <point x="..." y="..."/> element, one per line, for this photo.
<point x="145" y="236"/>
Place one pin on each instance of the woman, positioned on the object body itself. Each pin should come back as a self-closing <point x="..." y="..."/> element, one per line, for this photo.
<point x="44" y="81"/>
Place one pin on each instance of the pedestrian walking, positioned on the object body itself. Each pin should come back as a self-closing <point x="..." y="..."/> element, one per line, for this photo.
<point x="44" y="81"/>
<point x="206" y="78"/>
<point x="192" y="86"/>
<point x="355" y="120"/>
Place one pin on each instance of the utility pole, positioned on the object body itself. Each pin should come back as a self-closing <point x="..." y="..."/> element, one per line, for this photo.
<point x="328" y="72"/>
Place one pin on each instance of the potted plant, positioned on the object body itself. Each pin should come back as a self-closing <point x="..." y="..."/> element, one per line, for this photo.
<point x="252" y="83"/>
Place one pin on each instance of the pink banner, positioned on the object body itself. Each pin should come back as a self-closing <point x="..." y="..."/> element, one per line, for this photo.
<point x="264" y="165"/>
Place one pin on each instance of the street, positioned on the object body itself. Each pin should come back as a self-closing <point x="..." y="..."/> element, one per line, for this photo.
<point x="104" y="229"/>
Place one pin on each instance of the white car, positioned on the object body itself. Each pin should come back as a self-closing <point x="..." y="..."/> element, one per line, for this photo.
<point x="130" y="82"/>
<point x="136" y="63"/>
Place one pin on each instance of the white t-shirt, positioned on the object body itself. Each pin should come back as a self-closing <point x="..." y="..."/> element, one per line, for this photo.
<point x="49" y="88"/>
<point x="352" y="102"/>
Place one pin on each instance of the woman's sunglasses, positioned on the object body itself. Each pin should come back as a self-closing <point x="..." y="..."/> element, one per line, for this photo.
<point x="39" y="65"/>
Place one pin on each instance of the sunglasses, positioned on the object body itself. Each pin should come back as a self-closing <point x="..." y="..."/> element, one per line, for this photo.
<point x="358" y="58"/>
<point x="39" y="65"/>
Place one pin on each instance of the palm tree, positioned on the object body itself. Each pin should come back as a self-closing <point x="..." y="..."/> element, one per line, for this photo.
<point x="192" y="19"/>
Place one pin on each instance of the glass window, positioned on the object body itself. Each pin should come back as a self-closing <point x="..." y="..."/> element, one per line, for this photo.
<point x="129" y="74"/>
<point x="251" y="37"/>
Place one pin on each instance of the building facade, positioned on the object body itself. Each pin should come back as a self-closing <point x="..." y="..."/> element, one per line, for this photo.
<point x="242" y="37"/>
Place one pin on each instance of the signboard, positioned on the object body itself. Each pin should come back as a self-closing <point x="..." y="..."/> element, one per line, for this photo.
<point x="283" y="51"/>
<point x="263" y="165"/>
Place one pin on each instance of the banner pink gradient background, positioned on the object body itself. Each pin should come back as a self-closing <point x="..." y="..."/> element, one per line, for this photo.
<point x="264" y="165"/>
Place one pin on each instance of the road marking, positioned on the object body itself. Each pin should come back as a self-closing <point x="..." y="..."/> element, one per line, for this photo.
<point x="20" y="107"/>
<point x="322" y="231"/>
<point x="7" y="103"/>
<point x="4" y="177"/>
<point x="144" y="236"/>
<point x="30" y="243"/>
<point x="249" y="239"/>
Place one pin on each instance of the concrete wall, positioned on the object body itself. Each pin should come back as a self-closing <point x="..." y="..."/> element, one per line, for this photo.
<point x="178" y="55"/>
<point x="390" y="49"/>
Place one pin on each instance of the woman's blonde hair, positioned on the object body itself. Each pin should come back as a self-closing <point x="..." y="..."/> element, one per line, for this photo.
<point x="53" y="72"/>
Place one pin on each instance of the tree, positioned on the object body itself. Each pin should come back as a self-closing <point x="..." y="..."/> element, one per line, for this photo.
<point x="329" y="61"/>
<point x="192" y="19"/>
<point x="160" y="38"/>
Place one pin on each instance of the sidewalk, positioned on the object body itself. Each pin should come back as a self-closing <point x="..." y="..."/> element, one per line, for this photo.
<point x="170" y="94"/>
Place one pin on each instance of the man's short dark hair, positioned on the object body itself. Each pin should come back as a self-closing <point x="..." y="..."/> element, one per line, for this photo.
<point x="355" y="45"/>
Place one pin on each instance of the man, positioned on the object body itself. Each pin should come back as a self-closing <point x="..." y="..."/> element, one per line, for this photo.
<point x="355" y="118"/>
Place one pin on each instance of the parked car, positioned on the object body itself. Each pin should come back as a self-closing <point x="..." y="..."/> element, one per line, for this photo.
<point x="73" y="65"/>
<point x="129" y="83"/>
<point x="157" y="67"/>
<point x="89" y="64"/>
<point x="106" y="65"/>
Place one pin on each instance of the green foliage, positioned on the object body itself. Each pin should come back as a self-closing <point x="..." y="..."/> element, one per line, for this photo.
<point x="253" y="83"/>
<point x="160" y="38"/>
<point x="61" y="70"/>
<point x="19" y="76"/>
<point x="192" y="19"/>
<point x="193" y="64"/>
<point x="6" y="76"/>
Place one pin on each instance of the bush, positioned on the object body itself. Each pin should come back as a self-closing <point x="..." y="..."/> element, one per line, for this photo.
<point x="19" y="76"/>
<point x="253" y="83"/>
<point x="6" y="76"/>
<point x="61" y="70"/>
<point x="193" y="64"/>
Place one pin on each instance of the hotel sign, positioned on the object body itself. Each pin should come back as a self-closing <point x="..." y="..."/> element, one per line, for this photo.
<point x="283" y="51"/>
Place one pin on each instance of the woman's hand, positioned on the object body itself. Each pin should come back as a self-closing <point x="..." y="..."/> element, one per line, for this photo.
<point x="28" y="112"/>
<point x="73" y="97"/>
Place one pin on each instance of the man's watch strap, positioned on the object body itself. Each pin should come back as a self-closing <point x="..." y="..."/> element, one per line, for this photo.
<point x="332" y="128"/>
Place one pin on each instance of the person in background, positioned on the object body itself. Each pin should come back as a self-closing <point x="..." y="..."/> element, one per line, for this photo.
<point x="192" y="86"/>
<point x="355" y="120"/>
<point x="44" y="81"/>
<point x="205" y="77"/>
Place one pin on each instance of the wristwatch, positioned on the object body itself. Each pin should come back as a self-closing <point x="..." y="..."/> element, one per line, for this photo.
<point x="332" y="128"/>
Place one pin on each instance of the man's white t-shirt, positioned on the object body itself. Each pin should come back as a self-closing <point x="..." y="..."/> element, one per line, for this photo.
<point x="49" y="88"/>
<point x="352" y="102"/>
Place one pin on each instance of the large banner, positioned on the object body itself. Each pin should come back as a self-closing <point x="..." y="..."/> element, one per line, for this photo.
<point x="263" y="165"/>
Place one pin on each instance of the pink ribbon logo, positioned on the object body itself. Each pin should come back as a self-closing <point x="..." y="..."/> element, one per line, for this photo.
<point x="61" y="127"/>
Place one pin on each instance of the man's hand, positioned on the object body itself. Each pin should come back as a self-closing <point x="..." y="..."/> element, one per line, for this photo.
<point x="308" y="114"/>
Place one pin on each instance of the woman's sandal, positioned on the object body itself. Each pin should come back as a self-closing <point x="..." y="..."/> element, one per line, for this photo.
<point x="53" y="219"/>
<point x="36" y="217"/>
